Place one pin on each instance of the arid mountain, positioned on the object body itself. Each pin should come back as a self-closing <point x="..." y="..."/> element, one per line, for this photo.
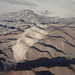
<point x="31" y="44"/>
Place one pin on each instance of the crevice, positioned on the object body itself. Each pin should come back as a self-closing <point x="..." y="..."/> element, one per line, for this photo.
<point x="51" y="46"/>
<point x="41" y="50"/>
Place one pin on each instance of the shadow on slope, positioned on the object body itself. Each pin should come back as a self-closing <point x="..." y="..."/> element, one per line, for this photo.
<point x="43" y="73"/>
<point x="53" y="47"/>
<point x="41" y="62"/>
<point x="8" y="20"/>
<point x="1" y="52"/>
<point x="45" y="62"/>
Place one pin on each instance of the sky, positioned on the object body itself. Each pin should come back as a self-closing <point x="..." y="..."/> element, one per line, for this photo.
<point x="61" y="8"/>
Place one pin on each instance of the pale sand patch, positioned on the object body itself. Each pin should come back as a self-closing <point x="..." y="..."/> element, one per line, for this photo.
<point x="26" y="40"/>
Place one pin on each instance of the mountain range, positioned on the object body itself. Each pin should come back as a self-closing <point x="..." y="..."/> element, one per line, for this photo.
<point x="37" y="37"/>
<point x="32" y="44"/>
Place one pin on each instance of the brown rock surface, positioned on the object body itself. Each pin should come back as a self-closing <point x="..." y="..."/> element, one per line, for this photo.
<point x="54" y="54"/>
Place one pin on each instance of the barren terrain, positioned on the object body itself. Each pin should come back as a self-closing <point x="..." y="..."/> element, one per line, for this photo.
<point x="31" y="44"/>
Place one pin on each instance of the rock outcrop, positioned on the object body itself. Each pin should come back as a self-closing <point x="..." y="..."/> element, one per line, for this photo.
<point x="42" y="47"/>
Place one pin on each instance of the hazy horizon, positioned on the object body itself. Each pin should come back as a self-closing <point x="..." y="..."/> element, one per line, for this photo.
<point x="61" y="8"/>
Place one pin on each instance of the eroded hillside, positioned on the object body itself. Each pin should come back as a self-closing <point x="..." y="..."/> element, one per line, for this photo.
<point x="31" y="44"/>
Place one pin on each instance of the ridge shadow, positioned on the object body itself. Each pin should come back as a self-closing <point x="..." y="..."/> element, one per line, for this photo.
<point x="45" y="62"/>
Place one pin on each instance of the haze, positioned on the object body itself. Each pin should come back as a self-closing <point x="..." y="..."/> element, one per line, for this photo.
<point x="61" y="8"/>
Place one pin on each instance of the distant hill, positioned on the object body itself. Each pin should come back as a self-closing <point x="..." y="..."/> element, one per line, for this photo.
<point x="62" y="8"/>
